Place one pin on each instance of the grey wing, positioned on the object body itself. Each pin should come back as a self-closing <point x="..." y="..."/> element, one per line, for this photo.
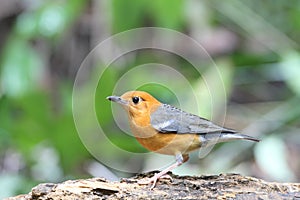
<point x="170" y="119"/>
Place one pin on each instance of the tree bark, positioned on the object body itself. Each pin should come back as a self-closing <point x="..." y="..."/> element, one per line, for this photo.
<point x="223" y="186"/>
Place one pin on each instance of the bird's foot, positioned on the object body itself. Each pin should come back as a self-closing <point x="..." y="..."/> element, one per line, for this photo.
<point x="154" y="179"/>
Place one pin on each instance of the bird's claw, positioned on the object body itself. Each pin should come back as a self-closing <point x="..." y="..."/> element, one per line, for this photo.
<point x="147" y="181"/>
<point x="154" y="179"/>
<point x="166" y="176"/>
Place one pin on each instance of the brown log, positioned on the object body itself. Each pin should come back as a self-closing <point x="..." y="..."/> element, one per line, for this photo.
<point x="223" y="186"/>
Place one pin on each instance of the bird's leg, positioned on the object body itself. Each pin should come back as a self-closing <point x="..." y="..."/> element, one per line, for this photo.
<point x="180" y="159"/>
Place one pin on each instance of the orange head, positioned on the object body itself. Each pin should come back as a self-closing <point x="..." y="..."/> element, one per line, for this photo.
<point x="137" y="103"/>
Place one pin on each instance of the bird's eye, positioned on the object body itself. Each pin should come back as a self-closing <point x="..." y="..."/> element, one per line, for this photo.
<point x="135" y="100"/>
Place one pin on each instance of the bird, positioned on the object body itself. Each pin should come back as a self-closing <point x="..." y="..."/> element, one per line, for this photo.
<point x="165" y="129"/>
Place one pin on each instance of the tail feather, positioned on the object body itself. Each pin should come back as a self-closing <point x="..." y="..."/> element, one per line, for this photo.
<point x="213" y="138"/>
<point x="237" y="136"/>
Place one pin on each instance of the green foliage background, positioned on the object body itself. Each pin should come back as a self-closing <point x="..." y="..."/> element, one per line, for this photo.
<point x="254" y="43"/>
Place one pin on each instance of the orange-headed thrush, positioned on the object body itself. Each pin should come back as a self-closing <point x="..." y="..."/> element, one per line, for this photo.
<point x="165" y="129"/>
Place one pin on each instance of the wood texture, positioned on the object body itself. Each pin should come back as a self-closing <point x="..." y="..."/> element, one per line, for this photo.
<point x="223" y="186"/>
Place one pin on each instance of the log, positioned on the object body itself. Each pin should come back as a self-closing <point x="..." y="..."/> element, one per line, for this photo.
<point x="223" y="186"/>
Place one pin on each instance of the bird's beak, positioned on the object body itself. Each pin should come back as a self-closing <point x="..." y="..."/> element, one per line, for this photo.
<point x="117" y="100"/>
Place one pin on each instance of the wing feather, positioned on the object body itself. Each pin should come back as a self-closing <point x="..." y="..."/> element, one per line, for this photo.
<point x="170" y="119"/>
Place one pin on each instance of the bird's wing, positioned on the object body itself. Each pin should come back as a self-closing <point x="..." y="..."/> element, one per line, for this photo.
<point x="170" y="119"/>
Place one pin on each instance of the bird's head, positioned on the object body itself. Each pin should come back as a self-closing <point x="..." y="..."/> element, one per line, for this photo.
<point x="138" y="103"/>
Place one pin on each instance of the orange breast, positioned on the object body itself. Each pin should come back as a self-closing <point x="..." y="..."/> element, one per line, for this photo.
<point x="165" y="143"/>
<point x="171" y="144"/>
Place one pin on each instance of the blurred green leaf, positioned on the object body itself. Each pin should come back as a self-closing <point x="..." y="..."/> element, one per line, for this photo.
<point x="214" y="88"/>
<point x="22" y="68"/>
<point x="167" y="13"/>
<point x="50" y="19"/>
<point x="104" y="88"/>
<point x="63" y="133"/>
<point x="127" y="14"/>
<point x="290" y="68"/>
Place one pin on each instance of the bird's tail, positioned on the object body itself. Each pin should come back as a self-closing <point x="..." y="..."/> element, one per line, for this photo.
<point x="213" y="138"/>
<point x="236" y="136"/>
